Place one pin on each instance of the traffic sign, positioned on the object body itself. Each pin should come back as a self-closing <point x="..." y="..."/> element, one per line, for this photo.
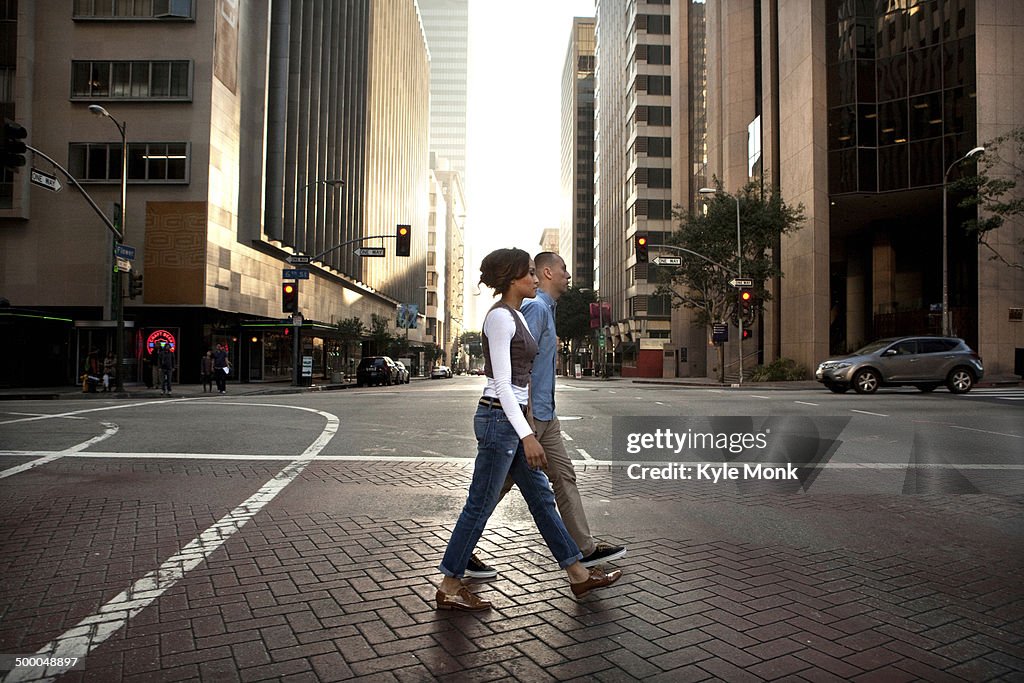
<point x="369" y="251"/>
<point x="50" y="182"/>
<point x="719" y="332"/>
<point x="297" y="260"/>
<point x="667" y="261"/>
<point x="124" y="265"/>
<point x="295" y="274"/>
<point x="124" y="251"/>
<point x="741" y="282"/>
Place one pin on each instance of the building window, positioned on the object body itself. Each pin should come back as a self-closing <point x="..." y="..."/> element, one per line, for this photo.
<point x="658" y="147"/>
<point x="148" y="162"/>
<point x="659" y="54"/>
<point x="135" y="9"/>
<point x="657" y="85"/>
<point x="131" y="80"/>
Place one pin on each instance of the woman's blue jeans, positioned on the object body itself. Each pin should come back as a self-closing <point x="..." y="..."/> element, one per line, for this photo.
<point x="499" y="454"/>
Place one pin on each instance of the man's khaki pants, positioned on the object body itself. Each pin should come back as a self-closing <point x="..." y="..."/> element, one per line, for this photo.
<point x="563" y="479"/>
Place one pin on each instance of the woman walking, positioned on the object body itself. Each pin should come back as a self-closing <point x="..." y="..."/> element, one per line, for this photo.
<point x="506" y="444"/>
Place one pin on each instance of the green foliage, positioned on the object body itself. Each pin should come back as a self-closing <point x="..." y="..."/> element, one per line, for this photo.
<point x="380" y="333"/>
<point x="572" y="316"/>
<point x="703" y="286"/>
<point x="782" y="370"/>
<point x="992" y="191"/>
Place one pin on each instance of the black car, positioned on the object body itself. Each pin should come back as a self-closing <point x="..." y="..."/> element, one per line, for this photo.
<point x="376" y="370"/>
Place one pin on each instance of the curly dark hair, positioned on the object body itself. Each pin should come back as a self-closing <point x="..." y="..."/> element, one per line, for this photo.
<point x="501" y="267"/>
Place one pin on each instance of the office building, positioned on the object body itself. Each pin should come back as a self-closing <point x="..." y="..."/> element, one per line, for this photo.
<point x="256" y="131"/>
<point x="576" y="226"/>
<point x="861" y="112"/>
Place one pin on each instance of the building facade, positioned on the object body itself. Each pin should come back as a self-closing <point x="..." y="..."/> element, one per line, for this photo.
<point x="256" y="131"/>
<point x="634" y="119"/>
<point x="576" y="227"/>
<point x="447" y="27"/>
<point x="862" y="111"/>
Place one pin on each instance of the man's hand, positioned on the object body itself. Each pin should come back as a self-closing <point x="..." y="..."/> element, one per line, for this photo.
<point x="535" y="457"/>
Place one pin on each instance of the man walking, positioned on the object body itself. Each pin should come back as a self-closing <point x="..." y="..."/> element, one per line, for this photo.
<point x="540" y="318"/>
<point x="221" y="365"/>
<point x="166" y="369"/>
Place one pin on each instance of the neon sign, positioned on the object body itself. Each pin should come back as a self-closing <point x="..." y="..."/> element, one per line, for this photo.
<point x="158" y="339"/>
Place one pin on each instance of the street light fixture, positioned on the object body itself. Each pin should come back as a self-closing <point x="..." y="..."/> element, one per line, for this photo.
<point x="945" y="247"/>
<point x="707" y="191"/>
<point x="118" y="239"/>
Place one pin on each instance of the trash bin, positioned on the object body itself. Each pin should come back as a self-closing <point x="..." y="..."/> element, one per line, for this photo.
<point x="336" y="378"/>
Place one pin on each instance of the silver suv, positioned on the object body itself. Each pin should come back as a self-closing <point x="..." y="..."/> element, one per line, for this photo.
<point x="923" y="362"/>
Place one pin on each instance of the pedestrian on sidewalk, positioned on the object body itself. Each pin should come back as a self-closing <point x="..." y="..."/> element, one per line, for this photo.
<point x="506" y="443"/>
<point x="221" y="367"/>
<point x="206" y="371"/>
<point x="539" y="313"/>
<point x="93" y="370"/>
<point x="166" y="363"/>
<point x="109" y="367"/>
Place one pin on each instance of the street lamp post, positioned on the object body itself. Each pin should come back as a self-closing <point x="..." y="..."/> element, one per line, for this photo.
<point x="945" y="246"/>
<point x="739" y="268"/>
<point x="118" y="239"/>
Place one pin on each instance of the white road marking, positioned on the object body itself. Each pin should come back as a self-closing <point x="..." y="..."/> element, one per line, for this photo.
<point x="806" y="403"/>
<point x="864" y="412"/>
<point x="244" y="456"/>
<point x="96" y="410"/>
<point x="111" y="617"/>
<point x="111" y="429"/>
<point x="566" y="437"/>
<point x="41" y="415"/>
<point x="756" y="396"/>
<point x="586" y="456"/>
<point x="660" y="403"/>
<point x="985" y="431"/>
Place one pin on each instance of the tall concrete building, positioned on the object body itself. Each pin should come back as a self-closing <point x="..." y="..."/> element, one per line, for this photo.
<point x="455" y="267"/>
<point x="576" y="227"/>
<point x="446" y="23"/>
<point x="861" y="112"/>
<point x="255" y="131"/>
<point x="633" y="175"/>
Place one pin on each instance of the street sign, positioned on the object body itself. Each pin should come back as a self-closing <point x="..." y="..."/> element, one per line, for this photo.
<point x="123" y="265"/>
<point x="297" y="320"/>
<point x="294" y="274"/>
<point x="307" y="366"/>
<point x="719" y="332"/>
<point x="369" y="251"/>
<point x="297" y="260"/>
<point x="667" y="261"/>
<point x="739" y="282"/>
<point x="124" y="251"/>
<point x="46" y="180"/>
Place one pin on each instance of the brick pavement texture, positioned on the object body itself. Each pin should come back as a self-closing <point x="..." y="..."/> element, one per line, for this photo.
<point x="299" y="596"/>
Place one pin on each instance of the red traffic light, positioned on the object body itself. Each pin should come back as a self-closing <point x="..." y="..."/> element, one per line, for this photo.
<point x="403" y="240"/>
<point x="289" y="297"/>
<point x="641" y="248"/>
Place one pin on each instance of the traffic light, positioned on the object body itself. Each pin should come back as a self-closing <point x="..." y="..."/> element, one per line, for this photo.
<point x="290" y="297"/>
<point x="641" y="248"/>
<point x="746" y="303"/>
<point x="12" y="154"/>
<point x="747" y="333"/>
<point x="135" y="285"/>
<point x="403" y="240"/>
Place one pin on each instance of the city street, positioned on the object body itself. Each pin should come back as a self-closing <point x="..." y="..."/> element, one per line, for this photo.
<point x="296" y="537"/>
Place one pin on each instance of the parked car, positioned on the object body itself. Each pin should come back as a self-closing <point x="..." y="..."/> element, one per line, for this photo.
<point x="923" y="362"/>
<point x="476" y="371"/>
<point x="403" y="372"/>
<point x="440" y="372"/>
<point x="376" y="370"/>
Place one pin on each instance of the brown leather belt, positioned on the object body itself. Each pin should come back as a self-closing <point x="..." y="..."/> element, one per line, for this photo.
<point x="488" y="402"/>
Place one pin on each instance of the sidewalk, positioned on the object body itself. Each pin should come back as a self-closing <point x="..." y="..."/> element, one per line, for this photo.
<point x="136" y="391"/>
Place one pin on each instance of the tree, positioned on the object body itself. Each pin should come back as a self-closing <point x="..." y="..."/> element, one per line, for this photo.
<point x="473" y="343"/>
<point x="992" y="192"/>
<point x="351" y="330"/>
<point x="380" y="333"/>
<point x="703" y="286"/>
<point x="572" y="319"/>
